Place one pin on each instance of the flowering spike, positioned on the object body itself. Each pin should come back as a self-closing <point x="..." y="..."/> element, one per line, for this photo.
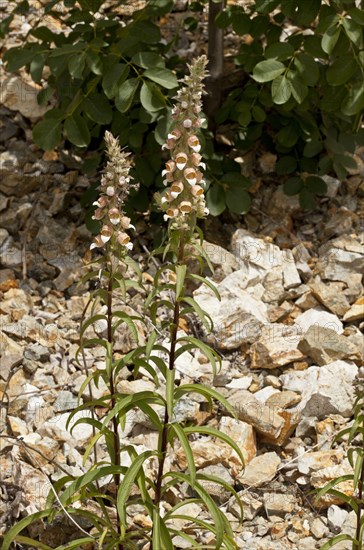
<point x="115" y="187"/>
<point x="183" y="200"/>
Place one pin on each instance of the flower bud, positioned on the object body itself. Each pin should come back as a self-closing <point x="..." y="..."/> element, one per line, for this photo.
<point x="185" y="207"/>
<point x="190" y="175"/>
<point x="98" y="214"/>
<point x="187" y="123"/>
<point x="181" y="160"/>
<point x="106" y="233"/>
<point x="114" y="216"/>
<point x="123" y="238"/>
<point x="196" y="191"/>
<point x="194" y="143"/>
<point x="125" y="222"/>
<point x="110" y="191"/>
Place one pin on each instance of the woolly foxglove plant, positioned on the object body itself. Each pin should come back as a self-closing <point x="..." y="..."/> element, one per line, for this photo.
<point x="106" y="496"/>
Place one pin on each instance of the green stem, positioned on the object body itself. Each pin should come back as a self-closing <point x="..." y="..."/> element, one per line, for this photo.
<point x="171" y="364"/>
<point x="113" y="401"/>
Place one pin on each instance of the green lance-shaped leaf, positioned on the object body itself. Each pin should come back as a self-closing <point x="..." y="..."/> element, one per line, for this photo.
<point x="208" y="393"/>
<point x="206" y="282"/>
<point x="203" y="315"/>
<point x="215" y="513"/>
<point x="181" y="433"/>
<point x="132" y="401"/>
<point x="129" y="479"/>
<point x="268" y="70"/>
<point x="226" y="486"/>
<point x="180" y="279"/>
<point x="336" y="540"/>
<point x="34" y="543"/>
<point x="170" y="377"/>
<point x="23" y="524"/>
<point x="92" y="321"/>
<point x="161" y="537"/>
<point x="194" y="343"/>
<point x="75" y="544"/>
<point x="208" y="430"/>
<point x="87" y="479"/>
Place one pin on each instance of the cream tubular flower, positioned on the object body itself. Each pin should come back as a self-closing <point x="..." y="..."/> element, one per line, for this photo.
<point x="184" y="200"/>
<point x="115" y="187"/>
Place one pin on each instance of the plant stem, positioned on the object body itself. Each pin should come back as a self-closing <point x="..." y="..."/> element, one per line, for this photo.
<point x="113" y="401"/>
<point x="359" y="544"/>
<point x="172" y="353"/>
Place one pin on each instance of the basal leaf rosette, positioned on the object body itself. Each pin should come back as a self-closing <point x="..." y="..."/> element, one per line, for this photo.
<point x="183" y="199"/>
<point x="115" y="187"/>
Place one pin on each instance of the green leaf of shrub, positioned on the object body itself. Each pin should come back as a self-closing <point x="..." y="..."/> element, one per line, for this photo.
<point x="353" y="31"/>
<point x="241" y="23"/>
<point x="286" y="165"/>
<point x="47" y="133"/>
<point x="97" y="108"/>
<point x="279" y="50"/>
<point x="163" y="77"/>
<point x="76" y="65"/>
<point x="77" y="130"/>
<point x="216" y="200"/>
<point x="268" y="70"/>
<point x="316" y="185"/>
<point x="281" y="90"/>
<point x="148" y="60"/>
<point x="307" y="199"/>
<point x="342" y="69"/>
<point x="298" y="87"/>
<point x="308" y="68"/>
<point x="125" y="94"/>
<point x="353" y="104"/>
<point x="114" y="76"/>
<point x="292" y="186"/>
<point x="151" y="97"/>
<point x="330" y="38"/>
<point x="238" y="200"/>
<point x="18" y="57"/>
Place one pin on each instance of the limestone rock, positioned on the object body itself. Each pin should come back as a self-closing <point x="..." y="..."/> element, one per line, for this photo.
<point x="278" y="504"/>
<point x="276" y="347"/>
<point x="336" y="517"/>
<point x="325" y="345"/>
<point x="238" y="317"/>
<point x="325" y="390"/>
<point x="222" y="260"/>
<point x="260" y="470"/>
<point x="356" y="311"/>
<point x="331" y="296"/>
<point x="317" y="317"/>
<point x="217" y="491"/>
<point x="19" y="95"/>
<point x="317" y="460"/>
<point x="243" y="435"/>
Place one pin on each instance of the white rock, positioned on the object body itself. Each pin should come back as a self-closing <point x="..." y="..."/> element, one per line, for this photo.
<point x="263" y="394"/>
<point x="291" y="277"/>
<point x="260" y="470"/>
<point x="252" y="251"/>
<point x="276" y="347"/>
<point x="18" y="95"/>
<point x="240" y="383"/>
<point x="56" y="428"/>
<point x="336" y="517"/>
<point x="318" y="316"/>
<point x="237" y="318"/>
<point x="325" y="390"/>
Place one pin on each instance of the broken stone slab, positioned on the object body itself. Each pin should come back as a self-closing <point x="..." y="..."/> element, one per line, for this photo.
<point x="325" y="345"/>
<point x="244" y="436"/>
<point x="222" y="260"/>
<point x="336" y="517"/>
<point x="276" y="347"/>
<point x="331" y="296"/>
<point x="341" y="259"/>
<point x="313" y="461"/>
<point x="317" y="317"/>
<point x="324" y="475"/>
<point x="217" y="491"/>
<point x="273" y="424"/>
<point x="279" y="504"/>
<point x="251" y="505"/>
<point x="356" y="311"/>
<point x="237" y="318"/>
<point x="20" y="95"/>
<point x="260" y="470"/>
<point x="302" y="258"/>
<point x="325" y="390"/>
